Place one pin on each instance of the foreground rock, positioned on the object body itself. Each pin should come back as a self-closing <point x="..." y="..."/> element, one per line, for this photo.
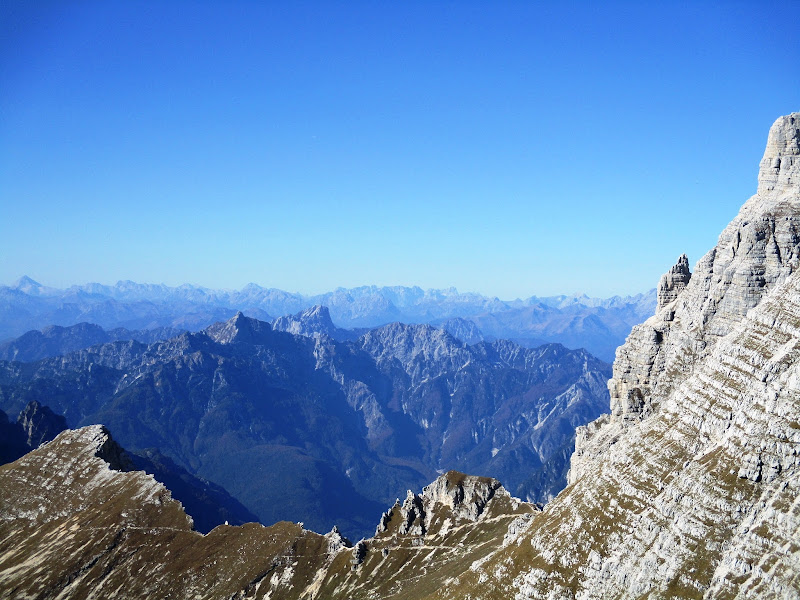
<point x="690" y="487"/>
<point x="76" y="523"/>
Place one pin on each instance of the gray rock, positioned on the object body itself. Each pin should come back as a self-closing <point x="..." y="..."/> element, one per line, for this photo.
<point x="673" y="282"/>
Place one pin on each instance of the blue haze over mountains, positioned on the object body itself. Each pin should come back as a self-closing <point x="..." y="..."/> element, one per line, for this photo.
<point x="599" y="325"/>
<point x="302" y="427"/>
<point x="319" y="409"/>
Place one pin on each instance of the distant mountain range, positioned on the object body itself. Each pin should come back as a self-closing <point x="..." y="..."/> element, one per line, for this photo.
<point x="308" y="428"/>
<point x="599" y="325"/>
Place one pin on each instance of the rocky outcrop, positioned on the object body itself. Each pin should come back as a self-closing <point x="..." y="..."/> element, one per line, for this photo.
<point x="673" y="282"/>
<point x="689" y="488"/>
<point x="463" y="497"/>
<point x="779" y="170"/>
<point x="40" y="424"/>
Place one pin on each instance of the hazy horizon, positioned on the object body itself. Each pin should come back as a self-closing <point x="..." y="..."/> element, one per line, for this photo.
<point x="455" y="289"/>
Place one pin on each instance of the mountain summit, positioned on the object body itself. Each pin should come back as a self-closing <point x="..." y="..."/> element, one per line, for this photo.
<point x="313" y="322"/>
<point x="689" y="487"/>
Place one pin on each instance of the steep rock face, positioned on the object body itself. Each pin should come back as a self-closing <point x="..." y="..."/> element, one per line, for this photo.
<point x="690" y="488"/>
<point x="757" y="251"/>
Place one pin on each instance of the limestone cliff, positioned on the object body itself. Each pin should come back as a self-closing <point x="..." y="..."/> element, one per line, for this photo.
<point x="758" y="250"/>
<point x="690" y="487"/>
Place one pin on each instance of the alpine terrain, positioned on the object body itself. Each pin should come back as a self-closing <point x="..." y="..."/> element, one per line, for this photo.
<point x="687" y="489"/>
<point x="306" y="428"/>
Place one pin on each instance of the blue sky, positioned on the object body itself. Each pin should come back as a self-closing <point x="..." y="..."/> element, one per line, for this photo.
<point x="508" y="148"/>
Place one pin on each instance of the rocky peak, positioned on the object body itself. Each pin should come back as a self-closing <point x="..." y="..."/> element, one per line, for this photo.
<point x="673" y="281"/>
<point x="239" y="328"/>
<point x="780" y="167"/>
<point x="27" y="285"/>
<point x="336" y="541"/>
<point x="463" y="329"/>
<point x="40" y="424"/>
<point x="311" y="322"/>
<point x="453" y="497"/>
<point x="465" y="495"/>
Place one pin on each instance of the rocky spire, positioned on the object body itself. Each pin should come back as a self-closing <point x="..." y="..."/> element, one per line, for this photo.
<point x="673" y="281"/>
<point x="780" y="167"/>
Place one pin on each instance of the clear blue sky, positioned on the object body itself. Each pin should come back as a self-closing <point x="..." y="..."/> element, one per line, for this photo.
<point x="508" y="148"/>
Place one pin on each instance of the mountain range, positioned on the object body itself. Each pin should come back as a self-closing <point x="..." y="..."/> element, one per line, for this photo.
<point x="282" y="421"/>
<point x="599" y="325"/>
<point x="688" y="488"/>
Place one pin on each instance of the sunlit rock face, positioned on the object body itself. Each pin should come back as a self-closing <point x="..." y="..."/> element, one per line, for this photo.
<point x="756" y="252"/>
<point x="689" y="487"/>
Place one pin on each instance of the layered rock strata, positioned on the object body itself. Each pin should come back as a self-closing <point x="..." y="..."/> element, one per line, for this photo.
<point x="690" y="487"/>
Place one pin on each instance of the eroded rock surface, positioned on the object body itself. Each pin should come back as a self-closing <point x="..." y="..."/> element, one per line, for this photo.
<point x="690" y="487"/>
